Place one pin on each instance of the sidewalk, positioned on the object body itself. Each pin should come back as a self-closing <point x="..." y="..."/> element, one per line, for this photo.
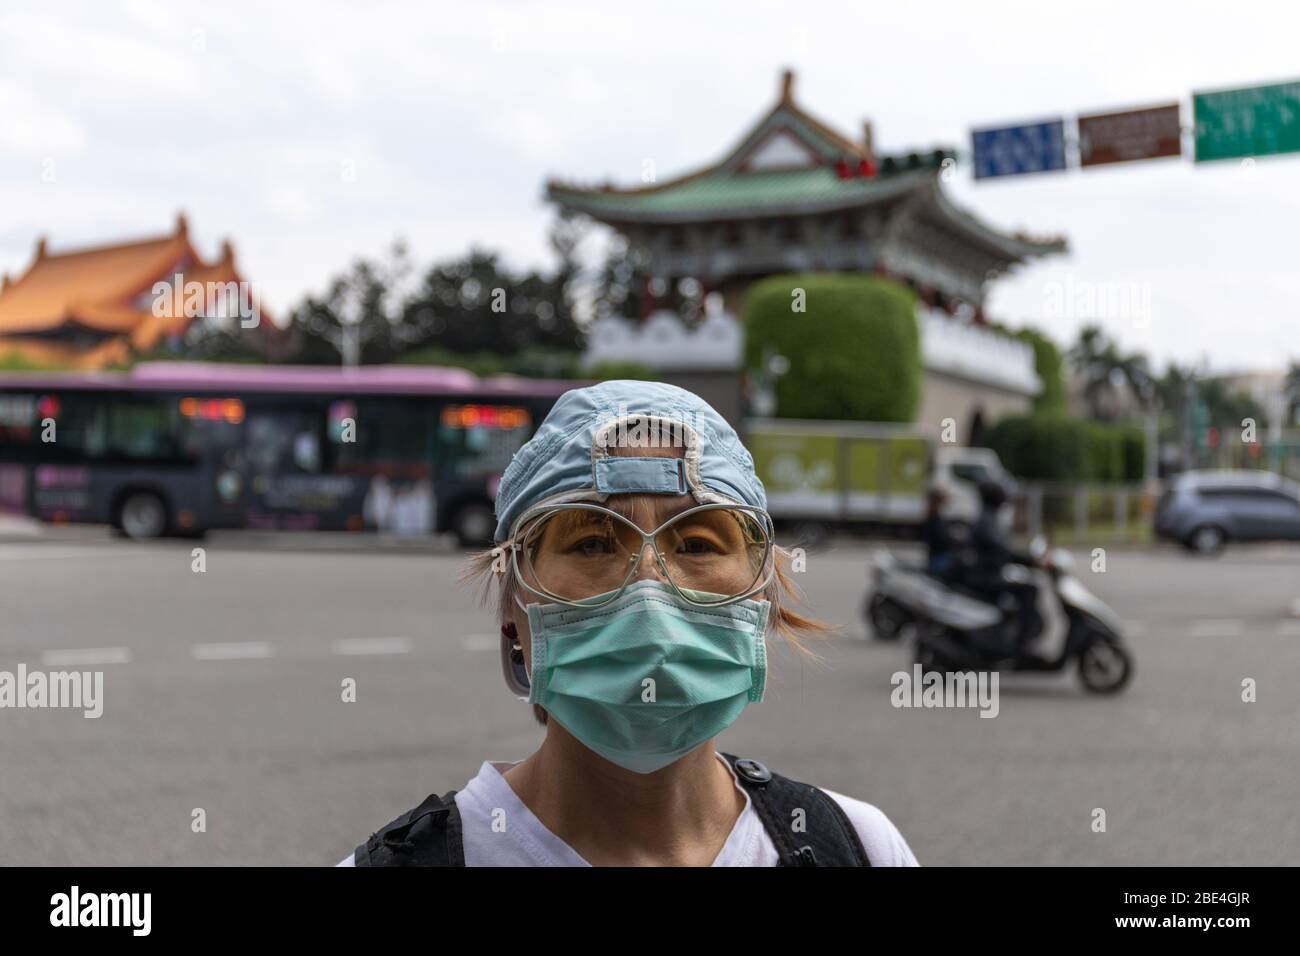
<point x="19" y="528"/>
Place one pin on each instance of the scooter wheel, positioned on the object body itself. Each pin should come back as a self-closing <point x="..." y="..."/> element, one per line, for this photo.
<point x="1105" y="666"/>
<point x="931" y="661"/>
<point x="885" y="620"/>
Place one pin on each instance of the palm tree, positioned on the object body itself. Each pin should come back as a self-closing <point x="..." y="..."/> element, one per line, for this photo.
<point x="1291" y="388"/>
<point x="1103" y="369"/>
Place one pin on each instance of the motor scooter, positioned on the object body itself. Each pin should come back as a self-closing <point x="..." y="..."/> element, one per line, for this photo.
<point x="955" y="631"/>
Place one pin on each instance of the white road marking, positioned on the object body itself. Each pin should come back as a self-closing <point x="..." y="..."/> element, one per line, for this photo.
<point x="248" y="650"/>
<point x="80" y="657"/>
<point x="1213" y="628"/>
<point x="1289" y="628"/>
<point x="357" y="646"/>
<point x="53" y="551"/>
<point x="481" y="642"/>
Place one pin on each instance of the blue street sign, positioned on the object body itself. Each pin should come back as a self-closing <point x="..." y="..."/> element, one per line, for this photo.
<point x="1013" y="150"/>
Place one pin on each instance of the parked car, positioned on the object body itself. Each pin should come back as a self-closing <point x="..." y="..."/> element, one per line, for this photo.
<point x="1204" y="510"/>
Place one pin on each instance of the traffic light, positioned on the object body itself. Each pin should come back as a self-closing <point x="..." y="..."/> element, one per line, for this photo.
<point x="909" y="162"/>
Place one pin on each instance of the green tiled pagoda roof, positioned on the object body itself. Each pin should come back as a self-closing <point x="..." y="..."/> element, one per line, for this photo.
<point x="729" y="191"/>
<point x="719" y="193"/>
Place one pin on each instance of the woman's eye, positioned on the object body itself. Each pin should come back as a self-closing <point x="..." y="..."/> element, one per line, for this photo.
<point x="697" y="546"/>
<point x="594" y="546"/>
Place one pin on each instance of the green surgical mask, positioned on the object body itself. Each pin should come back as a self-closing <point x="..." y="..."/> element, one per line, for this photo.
<point x="647" y="678"/>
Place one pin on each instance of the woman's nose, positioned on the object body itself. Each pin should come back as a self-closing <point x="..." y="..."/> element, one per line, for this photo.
<point x="649" y="569"/>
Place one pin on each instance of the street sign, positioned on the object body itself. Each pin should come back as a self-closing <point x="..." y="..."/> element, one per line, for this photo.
<point x="1015" y="150"/>
<point x="1133" y="134"/>
<point x="1252" y="121"/>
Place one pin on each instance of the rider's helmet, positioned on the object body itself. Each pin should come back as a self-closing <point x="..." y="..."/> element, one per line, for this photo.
<point x="993" y="494"/>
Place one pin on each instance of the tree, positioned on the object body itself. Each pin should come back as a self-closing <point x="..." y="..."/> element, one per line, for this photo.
<point x="471" y="305"/>
<point x="1291" y="389"/>
<point x="474" y="304"/>
<point x="625" y="288"/>
<point x="357" y="319"/>
<point x="1104" y="370"/>
<point x="620" y="282"/>
<point x="218" y="342"/>
<point x="1227" y="406"/>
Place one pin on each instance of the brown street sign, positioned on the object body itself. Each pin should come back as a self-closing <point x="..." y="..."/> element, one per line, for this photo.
<point x="1129" y="135"/>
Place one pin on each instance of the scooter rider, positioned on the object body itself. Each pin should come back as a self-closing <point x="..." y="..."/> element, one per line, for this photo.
<point x="940" y="561"/>
<point x="990" y="555"/>
<point x="636" y="582"/>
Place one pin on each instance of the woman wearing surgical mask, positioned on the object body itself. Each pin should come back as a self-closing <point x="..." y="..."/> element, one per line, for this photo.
<point x="636" y="580"/>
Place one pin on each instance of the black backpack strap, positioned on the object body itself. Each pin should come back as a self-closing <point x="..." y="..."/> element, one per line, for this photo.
<point x="429" y="835"/>
<point x="828" y="837"/>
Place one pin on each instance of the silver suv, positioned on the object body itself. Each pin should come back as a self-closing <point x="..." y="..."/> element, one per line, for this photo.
<point x="1205" y="509"/>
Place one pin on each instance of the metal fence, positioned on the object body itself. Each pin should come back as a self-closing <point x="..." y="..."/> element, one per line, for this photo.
<point x="1069" y="512"/>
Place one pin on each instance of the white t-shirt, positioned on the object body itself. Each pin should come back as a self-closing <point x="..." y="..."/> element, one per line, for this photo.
<point x="526" y="842"/>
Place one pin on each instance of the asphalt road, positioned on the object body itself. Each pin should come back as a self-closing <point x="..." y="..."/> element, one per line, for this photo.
<point x="222" y="691"/>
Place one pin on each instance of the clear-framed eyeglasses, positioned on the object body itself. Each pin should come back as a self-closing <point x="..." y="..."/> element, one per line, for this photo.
<point x="711" y="554"/>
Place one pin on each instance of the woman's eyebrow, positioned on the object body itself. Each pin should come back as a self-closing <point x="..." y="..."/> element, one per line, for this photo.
<point x="576" y="520"/>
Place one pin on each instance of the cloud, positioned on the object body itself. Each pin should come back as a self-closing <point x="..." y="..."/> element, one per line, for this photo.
<point x="315" y="139"/>
<point x="35" y="128"/>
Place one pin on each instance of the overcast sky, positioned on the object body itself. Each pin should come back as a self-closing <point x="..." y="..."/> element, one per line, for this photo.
<point x="313" y="134"/>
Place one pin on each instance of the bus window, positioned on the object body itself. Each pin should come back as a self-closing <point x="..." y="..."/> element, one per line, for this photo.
<point x="480" y="439"/>
<point x="18" y="421"/>
<point x="374" y="436"/>
<point x="144" y="430"/>
<point x="306" y="452"/>
<point x="79" y="425"/>
<point x="283" y="443"/>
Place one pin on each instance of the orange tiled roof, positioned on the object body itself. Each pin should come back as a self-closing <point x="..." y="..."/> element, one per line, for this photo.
<point x="73" y="285"/>
<point x="99" y="289"/>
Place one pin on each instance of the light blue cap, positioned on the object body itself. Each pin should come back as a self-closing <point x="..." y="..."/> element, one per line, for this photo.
<point x="569" y="459"/>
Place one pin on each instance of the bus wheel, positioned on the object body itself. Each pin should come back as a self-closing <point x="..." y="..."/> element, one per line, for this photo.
<point x="142" y="515"/>
<point x="474" y="525"/>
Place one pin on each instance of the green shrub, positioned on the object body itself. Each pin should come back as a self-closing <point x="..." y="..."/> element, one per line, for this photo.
<point x="1059" y="448"/>
<point x="1042" y="447"/>
<point x="14" y="361"/>
<point x="1134" y="442"/>
<point x="534" y="362"/>
<point x="1105" y="455"/>
<point x="608" y="371"/>
<point x="540" y="361"/>
<point x="1047" y="363"/>
<point x="480" y="363"/>
<point x="854" y="352"/>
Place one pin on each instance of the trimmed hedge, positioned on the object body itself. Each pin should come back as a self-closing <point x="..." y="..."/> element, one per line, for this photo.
<point x="1058" y="448"/>
<point x="855" y="352"/>
<point x="1047" y="363"/>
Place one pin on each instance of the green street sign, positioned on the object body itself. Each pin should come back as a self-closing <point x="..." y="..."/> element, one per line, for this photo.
<point x="1252" y="121"/>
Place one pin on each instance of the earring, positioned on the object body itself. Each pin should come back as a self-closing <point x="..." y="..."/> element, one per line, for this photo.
<point x="516" y="648"/>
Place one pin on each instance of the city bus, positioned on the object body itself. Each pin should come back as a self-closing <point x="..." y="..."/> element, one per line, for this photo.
<point x="175" y="448"/>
